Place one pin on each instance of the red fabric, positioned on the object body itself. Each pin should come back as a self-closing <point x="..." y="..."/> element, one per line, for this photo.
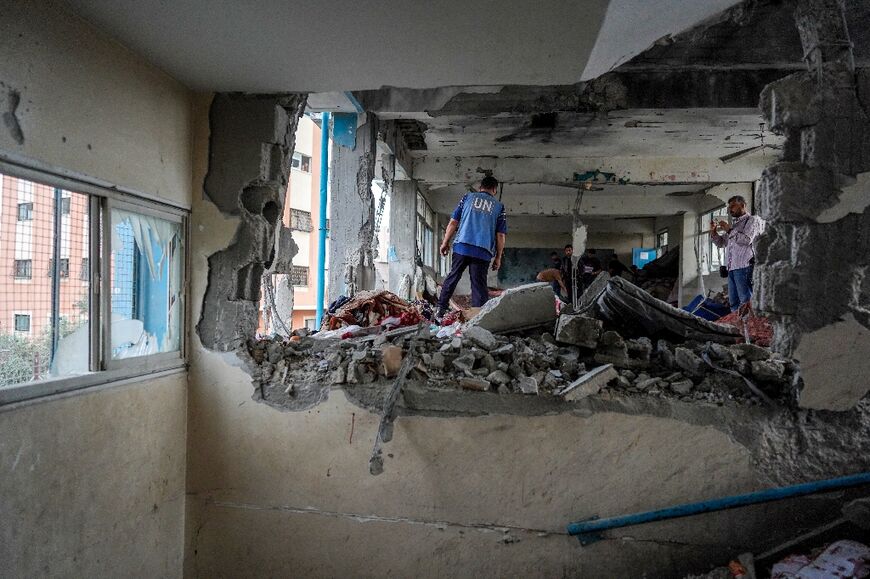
<point x="410" y="318"/>
<point x="760" y="329"/>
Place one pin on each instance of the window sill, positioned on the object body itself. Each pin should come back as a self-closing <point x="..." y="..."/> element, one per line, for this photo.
<point x="45" y="388"/>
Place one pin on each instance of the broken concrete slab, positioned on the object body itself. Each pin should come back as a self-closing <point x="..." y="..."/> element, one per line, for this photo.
<point x="625" y="305"/>
<point x="768" y="370"/>
<point x="689" y="362"/>
<point x="751" y="352"/>
<point x="682" y="387"/>
<point x="593" y="290"/>
<point x="834" y="364"/>
<point x="578" y="330"/>
<point x="528" y="384"/>
<point x="480" y="337"/>
<point x="590" y="383"/>
<point x="519" y="308"/>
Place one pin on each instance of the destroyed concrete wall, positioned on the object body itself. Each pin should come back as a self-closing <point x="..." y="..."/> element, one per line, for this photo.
<point x="812" y="274"/>
<point x="250" y="147"/>
<point x="352" y="212"/>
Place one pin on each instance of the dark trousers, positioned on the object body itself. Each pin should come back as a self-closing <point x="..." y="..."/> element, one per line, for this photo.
<point x="477" y="269"/>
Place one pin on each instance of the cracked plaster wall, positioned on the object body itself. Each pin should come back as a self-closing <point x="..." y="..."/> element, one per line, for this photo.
<point x="814" y="256"/>
<point x="352" y="212"/>
<point x="250" y="145"/>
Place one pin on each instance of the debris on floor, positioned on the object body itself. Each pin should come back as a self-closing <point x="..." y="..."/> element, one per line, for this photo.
<point x="518" y="344"/>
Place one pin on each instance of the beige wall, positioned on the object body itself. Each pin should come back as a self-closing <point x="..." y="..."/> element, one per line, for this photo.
<point x="92" y="483"/>
<point x="91" y="106"/>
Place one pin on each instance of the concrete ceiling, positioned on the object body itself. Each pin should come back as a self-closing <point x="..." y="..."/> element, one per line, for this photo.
<point x="626" y="133"/>
<point x="281" y="46"/>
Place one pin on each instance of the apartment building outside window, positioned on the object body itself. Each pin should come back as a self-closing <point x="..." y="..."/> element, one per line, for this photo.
<point x="25" y="211"/>
<point x="299" y="276"/>
<point x="301" y="162"/>
<point x="23" y="269"/>
<point x="64" y="267"/>
<point x="300" y="220"/>
<point x="22" y="323"/>
<point x="119" y="314"/>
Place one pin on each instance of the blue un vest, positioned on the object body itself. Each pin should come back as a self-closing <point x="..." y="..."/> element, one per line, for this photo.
<point x="479" y="216"/>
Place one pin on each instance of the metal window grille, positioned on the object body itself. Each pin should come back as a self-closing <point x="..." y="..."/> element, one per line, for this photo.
<point x="22" y="323"/>
<point x="23" y="268"/>
<point x="85" y="274"/>
<point x="300" y="220"/>
<point x="299" y="275"/>
<point x="28" y="341"/>
<point x="25" y="211"/>
<point x="64" y="267"/>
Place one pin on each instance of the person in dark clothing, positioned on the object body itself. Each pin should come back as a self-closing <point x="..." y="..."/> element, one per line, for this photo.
<point x="555" y="263"/>
<point x="589" y="266"/>
<point x="567" y="270"/>
<point x="479" y="223"/>
<point x="615" y="267"/>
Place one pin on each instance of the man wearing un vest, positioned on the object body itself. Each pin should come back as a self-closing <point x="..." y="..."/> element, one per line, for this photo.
<point x="481" y="224"/>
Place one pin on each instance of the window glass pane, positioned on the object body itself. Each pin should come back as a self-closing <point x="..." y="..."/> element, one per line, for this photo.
<point x="145" y="284"/>
<point x="43" y="317"/>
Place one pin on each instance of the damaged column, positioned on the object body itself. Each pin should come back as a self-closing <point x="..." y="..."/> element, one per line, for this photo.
<point x="403" y="236"/>
<point x="252" y="139"/>
<point x="352" y="206"/>
<point x="813" y="260"/>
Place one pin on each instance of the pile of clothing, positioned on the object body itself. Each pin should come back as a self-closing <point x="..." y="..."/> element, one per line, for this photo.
<point x="371" y="308"/>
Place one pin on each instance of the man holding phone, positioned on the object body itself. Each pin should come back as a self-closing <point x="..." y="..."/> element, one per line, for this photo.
<point x="738" y="238"/>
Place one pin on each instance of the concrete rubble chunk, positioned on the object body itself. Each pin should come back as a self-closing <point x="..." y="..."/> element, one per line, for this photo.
<point x="518" y="308"/>
<point x="498" y="377"/>
<point x="528" y="384"/>
<point x="480" y="337"/>
<point x="478" y="384"/>
<point x="689" y="361"/>
<point x="437" y="361"/>
<point x="682" y="387"/>
<point x="648" y="383"/>
<point x="590" y="383"/>
<point x="578" y="330"/>
<point x="751" y="352"/>
<point x="503" y="350"/>
<point x="769" y="370"/>
<point x="465" y="362"/>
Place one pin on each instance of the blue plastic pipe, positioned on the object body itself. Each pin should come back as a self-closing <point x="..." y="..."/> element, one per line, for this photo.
<point x="588" y="530"/>
<point x="321" y="241"/>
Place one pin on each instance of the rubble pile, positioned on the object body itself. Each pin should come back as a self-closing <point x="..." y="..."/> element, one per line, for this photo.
<point x="581" y="358"/>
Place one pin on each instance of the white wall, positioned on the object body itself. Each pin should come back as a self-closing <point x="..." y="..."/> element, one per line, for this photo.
<point x="92" y="483"/>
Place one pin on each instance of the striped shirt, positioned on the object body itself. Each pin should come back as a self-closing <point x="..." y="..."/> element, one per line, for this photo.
<point x="739" y="242"/>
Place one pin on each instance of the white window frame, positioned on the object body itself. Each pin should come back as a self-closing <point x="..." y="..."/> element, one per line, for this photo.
<point x="102" y="196"/>
<point x="29" y="315"/>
